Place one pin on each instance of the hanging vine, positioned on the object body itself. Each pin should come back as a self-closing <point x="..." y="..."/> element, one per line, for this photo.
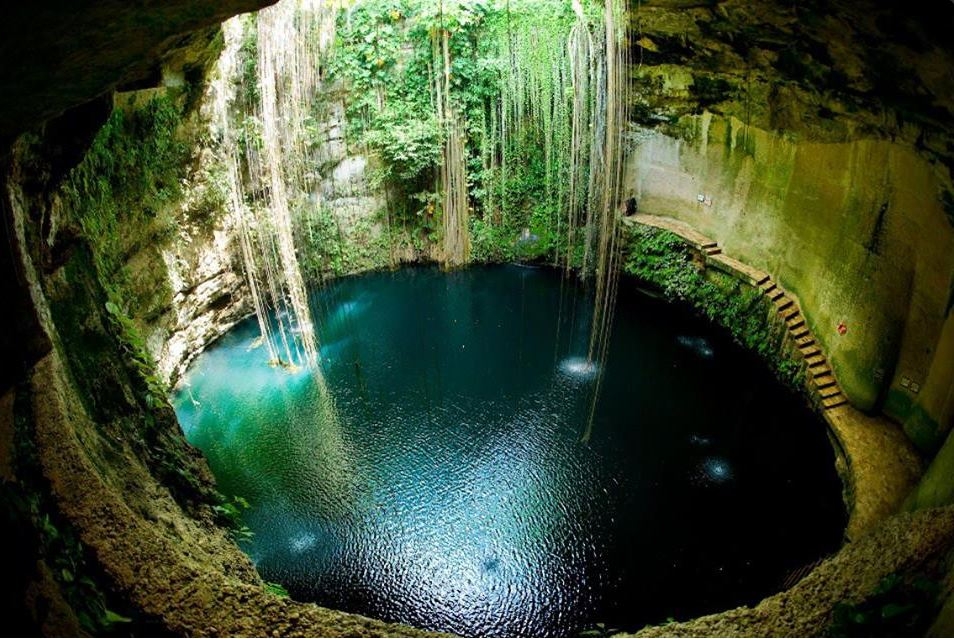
<point x="498" y="126"/>
<point x="275" y="61"/>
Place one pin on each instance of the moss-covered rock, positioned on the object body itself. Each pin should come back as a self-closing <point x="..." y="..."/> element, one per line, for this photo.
<point x="854" y="229"/>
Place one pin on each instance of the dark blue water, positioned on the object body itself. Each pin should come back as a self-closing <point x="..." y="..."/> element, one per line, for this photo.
<point x="442" y="479"/>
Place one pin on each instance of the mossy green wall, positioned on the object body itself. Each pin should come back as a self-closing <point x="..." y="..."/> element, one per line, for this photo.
<point x="855" y="229"/>
<point x="937" y="484"/>
<point x="929" y="421"/>
<point x="930" y="416"/>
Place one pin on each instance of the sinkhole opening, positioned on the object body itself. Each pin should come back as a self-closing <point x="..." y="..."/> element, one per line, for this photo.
<point x="438" y="475"/>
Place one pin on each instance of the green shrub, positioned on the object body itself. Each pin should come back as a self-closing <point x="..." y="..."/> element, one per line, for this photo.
<point x="663" y="260"/>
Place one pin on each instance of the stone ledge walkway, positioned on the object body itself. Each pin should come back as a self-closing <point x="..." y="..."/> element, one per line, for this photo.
<point x="882" y="465"/>
<point x="821" y="381"/>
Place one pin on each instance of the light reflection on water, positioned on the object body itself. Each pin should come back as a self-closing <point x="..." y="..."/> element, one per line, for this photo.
<point x="445" y="484"/>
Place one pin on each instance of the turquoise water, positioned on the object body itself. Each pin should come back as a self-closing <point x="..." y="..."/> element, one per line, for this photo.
<point x="438" y="476"/>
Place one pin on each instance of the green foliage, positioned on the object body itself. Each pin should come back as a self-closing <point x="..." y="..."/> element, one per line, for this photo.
<point x="369" y="44"/>
<point x="65" y="555"/>
<point x="663" y="259"/>
<point x="250" y="133"/>
<point x="409" y="144"/>
<point x="31" y="518"/>
<point x="384" y="53"/>
<point x="229" y="513"/>
<point x="128" y="180"/>
<point x="211" y="202"/>
<point x="508" y="85"/>
<point x="898" y="607"/>
<point x="121" y="197"/>
<point x="134" y="348"/>
<point x="248" y="60"/>
<point x="276" y="589"/>
<point x="329" y="249"/>
<point x="523" y="189"/>
<point x="519" y="182"/>
<point x="388" y="54"/>
<point x="490" y="242"/>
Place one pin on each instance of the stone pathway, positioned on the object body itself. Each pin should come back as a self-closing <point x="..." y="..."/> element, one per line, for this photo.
<point x="882" y="464"/>
<point x="821" y="381"/>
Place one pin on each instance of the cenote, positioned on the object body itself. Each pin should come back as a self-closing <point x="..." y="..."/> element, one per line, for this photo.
<point x="442" y="474"/>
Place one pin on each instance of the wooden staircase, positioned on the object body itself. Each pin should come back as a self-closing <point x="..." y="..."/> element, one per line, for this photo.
<point x="820" y="380"/>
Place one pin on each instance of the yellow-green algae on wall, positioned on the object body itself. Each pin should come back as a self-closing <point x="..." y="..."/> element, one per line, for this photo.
<point x="936" y="487"/>
<point x="855" y="229"/>
<point x="929" y="417"/>
<point x="933" y="414"/>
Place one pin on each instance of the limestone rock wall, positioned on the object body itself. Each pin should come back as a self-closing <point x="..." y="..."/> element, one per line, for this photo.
<point x="343" y="229"/>
<point x="847" y="219"/>
<point x="198" y="273"/>
<point x="209" y="297"/>
<point x="185" y="286"/>
<point x="856" y="229"/>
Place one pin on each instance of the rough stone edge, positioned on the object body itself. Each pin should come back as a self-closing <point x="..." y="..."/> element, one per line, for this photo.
<point x="907" y="543"/>
<point x="197" y="599"/>
<point x="195" y="589"/>
<point x="160" y="578"/>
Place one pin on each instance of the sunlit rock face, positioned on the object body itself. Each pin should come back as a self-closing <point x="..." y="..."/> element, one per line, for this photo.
<point x="208" y="296"/>
<point x="857" y="230"/>
<point x="815" y="143"/>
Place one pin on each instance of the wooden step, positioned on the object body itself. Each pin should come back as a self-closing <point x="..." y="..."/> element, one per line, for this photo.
<point x="819" y="371"/>
<point x="808" y="351"/>
<point x="802" y="342"/>
<point x="825" y="381"/>
<point x="767" y="283"/>
<point x="764" y="279"/>
<point x="708" y="244"/>
<point x="800" y="331"/>
<point x="834" y="402"/>
<point x="815" y="360"/>
<point x="783" y="303"/>
<point x="775" y="293"/>
<point x="789" y="312"/>
<point x="829" y="391"/>
<point x="712" y="250"/>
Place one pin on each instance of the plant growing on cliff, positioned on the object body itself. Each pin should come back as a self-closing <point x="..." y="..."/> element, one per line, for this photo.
<point x="663" y="260"/>
<point x="32" y="517"/>
<point x="229" y="514"/>
<point x="278" y="590"/>
<point x="134" y="347"/>
<point x="128" y="180"/>
<point x="409" y="145"/>
<point x="413" y="66"/>
<point x="121" y="199"/>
